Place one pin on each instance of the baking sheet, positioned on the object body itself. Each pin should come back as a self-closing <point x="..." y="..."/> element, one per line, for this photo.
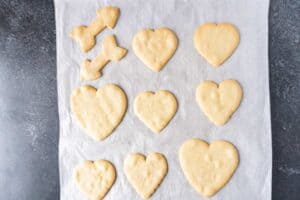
<point x="249" y="129"/>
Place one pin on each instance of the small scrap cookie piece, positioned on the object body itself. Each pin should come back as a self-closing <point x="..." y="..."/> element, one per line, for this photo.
<point x="155" y="109"/>
<point x="99" y="111"/>
<point x="155" y="47"/>
<point x="91" y="69"/>
<point x="145" y="173"/>
<point x="208" y="167"/>
<point x="86" y="35"/>
<point x="216" y="42"/>
<point x="219" y="102"/>
<point x="95" y="178"/>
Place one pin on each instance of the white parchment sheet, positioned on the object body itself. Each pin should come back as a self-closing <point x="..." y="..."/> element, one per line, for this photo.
<point x="249" y="129"/>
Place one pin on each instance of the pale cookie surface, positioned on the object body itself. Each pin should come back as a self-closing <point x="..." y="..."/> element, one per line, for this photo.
<point x="95" y="178"/>
<point x="86" y="35"/>
<point x="216" y="42"/>
<point x="99" y="111"/>
<point x="145" y="174"/>
<point x="219" y="102"/>
<point x="155" y="47"/>
<point x="208" y="167"/>
<point x="91" y="69"/>
<point x="155" y="109"/>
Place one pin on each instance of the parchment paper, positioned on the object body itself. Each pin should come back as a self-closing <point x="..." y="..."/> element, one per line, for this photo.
<point x="249" y="128"/>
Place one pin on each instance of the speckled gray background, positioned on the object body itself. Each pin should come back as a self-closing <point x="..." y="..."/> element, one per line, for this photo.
<point x="28" y="100"/>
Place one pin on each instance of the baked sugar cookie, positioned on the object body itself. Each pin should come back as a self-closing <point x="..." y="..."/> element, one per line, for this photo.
<point x="86" y="35"/>
<point x="91" y="69"/>
<point x="145" y="173"/>
<point x="95" y="178"/>
<point x="155" y="47"/>
<point x="208" y="167"/>
<point x="216" y="42"/>
<point x="99" y="111"/>
<point x="155" y="109"/>
<point x="219" y="102"/>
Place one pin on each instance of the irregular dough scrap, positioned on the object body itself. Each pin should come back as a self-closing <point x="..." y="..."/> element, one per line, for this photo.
<point x="155" y="109"/>
<point x="95" y="178"/>
<point x="155" y="47"/>
<point x="99" y="111"/>
<point x="216" y="42"/>
<point x="219" y="102"/>
<point x="86" y="35"/>
<point x="91" y="70"/>
<point x="208" y="167"/>
<point x="145" y="174"/>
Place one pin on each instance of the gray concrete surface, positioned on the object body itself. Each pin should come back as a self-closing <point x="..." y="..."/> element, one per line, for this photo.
<point x="28" y="100"/>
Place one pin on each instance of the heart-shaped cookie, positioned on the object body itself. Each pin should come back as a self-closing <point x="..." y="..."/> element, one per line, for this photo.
<point x="219" y="102"/>
<point x="155" y="109"/>
<point x="216" y="42"/>
<point x="155" y="47"/>
<point x="208" y="167"/>
<point x="99" y="111"/>
<point x="95" y="178"/>
<point x="145" y="174"/>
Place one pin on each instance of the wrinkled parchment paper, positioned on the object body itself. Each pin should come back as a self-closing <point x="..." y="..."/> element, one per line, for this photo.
<point x="249" y="128"/>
